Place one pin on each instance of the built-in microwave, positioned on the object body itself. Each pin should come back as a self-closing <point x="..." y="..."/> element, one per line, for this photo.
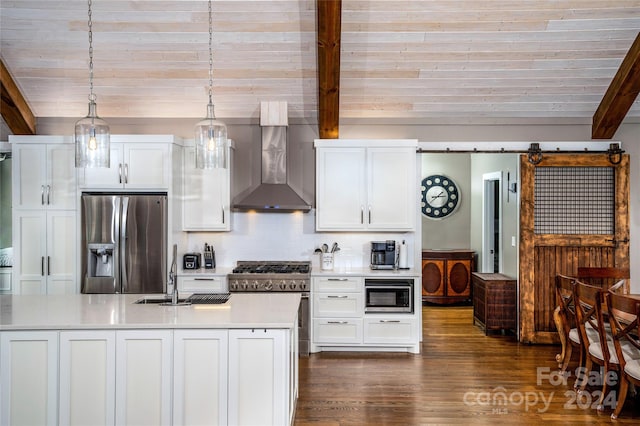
<point x="388" y="295"/>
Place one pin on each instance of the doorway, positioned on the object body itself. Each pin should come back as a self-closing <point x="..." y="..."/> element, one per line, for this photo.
<point x="492" y="222"/>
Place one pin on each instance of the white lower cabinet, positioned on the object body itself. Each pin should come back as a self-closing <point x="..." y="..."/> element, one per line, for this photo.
<point x="148" y="377"/>
<point x="339" y="321"/>
<point x="259" y="383"/>
<point x="337" y="331"/>
<point x="200" y="377"/>
<point x="202" y="284"/>
<point x="390" y="330"/>
<point x="143" y="377"/>
<point x="87" y="377"/>
<point x="28" y="378"/>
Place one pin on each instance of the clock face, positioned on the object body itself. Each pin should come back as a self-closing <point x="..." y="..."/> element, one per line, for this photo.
<point x="440" y="196"/>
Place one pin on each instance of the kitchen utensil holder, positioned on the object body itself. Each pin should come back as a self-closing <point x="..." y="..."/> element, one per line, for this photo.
<point x="326" y="261"/>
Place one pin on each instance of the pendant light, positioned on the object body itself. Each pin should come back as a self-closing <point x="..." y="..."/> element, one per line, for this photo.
<point x="211" y="134"/>
<point x="92" y="132"/>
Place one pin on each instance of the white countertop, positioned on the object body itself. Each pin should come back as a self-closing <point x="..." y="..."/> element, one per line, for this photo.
<point x="110" y="311"/>
<point x="366" y="272"/>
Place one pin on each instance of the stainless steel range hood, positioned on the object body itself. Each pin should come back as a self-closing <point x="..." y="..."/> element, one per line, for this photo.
<point x="274" y="193"/>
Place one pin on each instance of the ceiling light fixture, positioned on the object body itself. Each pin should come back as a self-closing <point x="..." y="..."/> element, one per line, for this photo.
<point x="211" y="134"/>
<point x="92" y="132"/>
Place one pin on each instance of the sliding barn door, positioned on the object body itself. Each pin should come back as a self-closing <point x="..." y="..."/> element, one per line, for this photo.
<point x="574" y="212"/>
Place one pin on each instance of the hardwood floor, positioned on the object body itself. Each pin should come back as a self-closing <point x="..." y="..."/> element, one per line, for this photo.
<point x="460" y="377"/>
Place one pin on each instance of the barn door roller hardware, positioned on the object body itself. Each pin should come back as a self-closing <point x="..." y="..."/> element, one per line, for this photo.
<point x="534" y="153"/>
<point x="615" y="153"/>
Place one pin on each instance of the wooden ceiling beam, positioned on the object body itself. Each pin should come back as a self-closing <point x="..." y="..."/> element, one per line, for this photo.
<point x="620" y="95"/>
<point x="329" y="16"/>
<point x="14" y="108"/>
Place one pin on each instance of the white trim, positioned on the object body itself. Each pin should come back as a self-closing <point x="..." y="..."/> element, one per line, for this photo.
<point x="487" y="220"/>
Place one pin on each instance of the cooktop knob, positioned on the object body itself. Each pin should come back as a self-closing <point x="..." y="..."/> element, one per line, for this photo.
<point x="268" y="285"/>
<point x="283" y="285"/>
<point x="255" y="285"/>
<point x="244" y="284"/>
<point x="292" y="286"/>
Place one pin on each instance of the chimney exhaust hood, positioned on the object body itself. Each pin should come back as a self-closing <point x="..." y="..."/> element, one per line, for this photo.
<point x="274" y="193"/>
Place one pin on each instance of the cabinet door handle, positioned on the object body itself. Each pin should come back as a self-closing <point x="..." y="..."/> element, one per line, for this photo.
<point x="337" y="322"/>
<point x="120" y="173"/>
<point x="42" y="194"/>
<point x="126" y="172"/>
<point x="386" y="321"/>
<point x="331" y="296"/>
<point x="223" y="214"/>
<point x="48" y="265"/>
<point x="362" y="215"/>
<point x="48" y="194"/>
<point x="338" y="279"/>
<point x="42" y="266"/>
<point x="369" y="215"/>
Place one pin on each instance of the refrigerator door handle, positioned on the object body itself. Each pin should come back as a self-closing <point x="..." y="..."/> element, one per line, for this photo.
<point x="123" y="244"/>
<point x="115" y="237"/>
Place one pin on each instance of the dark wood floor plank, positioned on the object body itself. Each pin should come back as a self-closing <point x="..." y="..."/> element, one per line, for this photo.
<point x="457" y="379"/>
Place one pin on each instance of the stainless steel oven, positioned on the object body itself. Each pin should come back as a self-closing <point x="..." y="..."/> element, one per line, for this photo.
<point x="388" y="295"/>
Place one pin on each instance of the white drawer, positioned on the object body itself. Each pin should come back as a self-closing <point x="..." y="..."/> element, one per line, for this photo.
<point x="390" y="330"/>
<point x="333" y="284"/>
<point x="337" y="331"/>
<point x="332" y="305"/>
<point x="202" y="284"/>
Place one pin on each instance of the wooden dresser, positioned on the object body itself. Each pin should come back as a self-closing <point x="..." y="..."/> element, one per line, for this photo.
<point x="446" y="275"/>
<point x="494" y="301"/>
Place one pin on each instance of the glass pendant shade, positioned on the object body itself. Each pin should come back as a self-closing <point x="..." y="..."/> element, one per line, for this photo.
<point x="92" y="140"/>
<point x="211" y="142"/>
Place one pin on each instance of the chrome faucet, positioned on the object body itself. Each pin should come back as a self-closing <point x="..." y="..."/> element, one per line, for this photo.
<point x="172" y="277"/>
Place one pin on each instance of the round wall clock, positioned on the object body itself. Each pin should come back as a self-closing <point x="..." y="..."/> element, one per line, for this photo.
<point x="440" y="196"/>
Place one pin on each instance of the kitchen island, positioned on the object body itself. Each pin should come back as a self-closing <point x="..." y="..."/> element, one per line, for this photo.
<point x="89" y="359"/>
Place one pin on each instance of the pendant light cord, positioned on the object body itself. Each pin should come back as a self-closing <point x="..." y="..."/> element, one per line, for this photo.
<point x="211" y="59"/>
<point x="92" y="97"/>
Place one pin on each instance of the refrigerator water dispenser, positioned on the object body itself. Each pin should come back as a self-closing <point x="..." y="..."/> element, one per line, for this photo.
<point x="100" y="260"/>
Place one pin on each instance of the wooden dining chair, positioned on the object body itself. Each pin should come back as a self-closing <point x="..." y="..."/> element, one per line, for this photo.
<point x="565" y="318"/>
<point x="623" y="312"/>
<point x="604" y="277"/>
<point x="590" y="311"/>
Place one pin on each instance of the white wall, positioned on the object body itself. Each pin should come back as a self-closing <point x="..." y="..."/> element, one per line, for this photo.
<point x="454" y="231"/>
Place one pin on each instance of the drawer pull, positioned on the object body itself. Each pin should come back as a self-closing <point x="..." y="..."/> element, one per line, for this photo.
<point x="386" y="321"/>
<point x="338" y="279"/>
<point x="336" y="297"/>
<point x="204" y="279"/>
<point x="337" y="322"/>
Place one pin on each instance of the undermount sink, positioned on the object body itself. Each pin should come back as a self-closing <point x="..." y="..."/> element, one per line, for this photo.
<point x="155" y="300"/>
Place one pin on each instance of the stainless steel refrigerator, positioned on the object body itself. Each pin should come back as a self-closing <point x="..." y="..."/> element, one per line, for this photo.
<point x="124" y="243"/>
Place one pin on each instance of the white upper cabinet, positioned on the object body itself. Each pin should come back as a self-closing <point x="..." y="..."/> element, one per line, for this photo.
<point x="44" y="172"/>
<point x="366" y="185"/>
<point x="207" y="196"/>
<point x="137" y="162"/>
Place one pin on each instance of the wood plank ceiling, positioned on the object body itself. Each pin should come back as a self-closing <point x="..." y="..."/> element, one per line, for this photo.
<point x="414" y="61"/>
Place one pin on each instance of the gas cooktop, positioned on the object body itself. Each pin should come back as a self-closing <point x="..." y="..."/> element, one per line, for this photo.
<point x="270" y="276"/>
<point x="272" y="267"/>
